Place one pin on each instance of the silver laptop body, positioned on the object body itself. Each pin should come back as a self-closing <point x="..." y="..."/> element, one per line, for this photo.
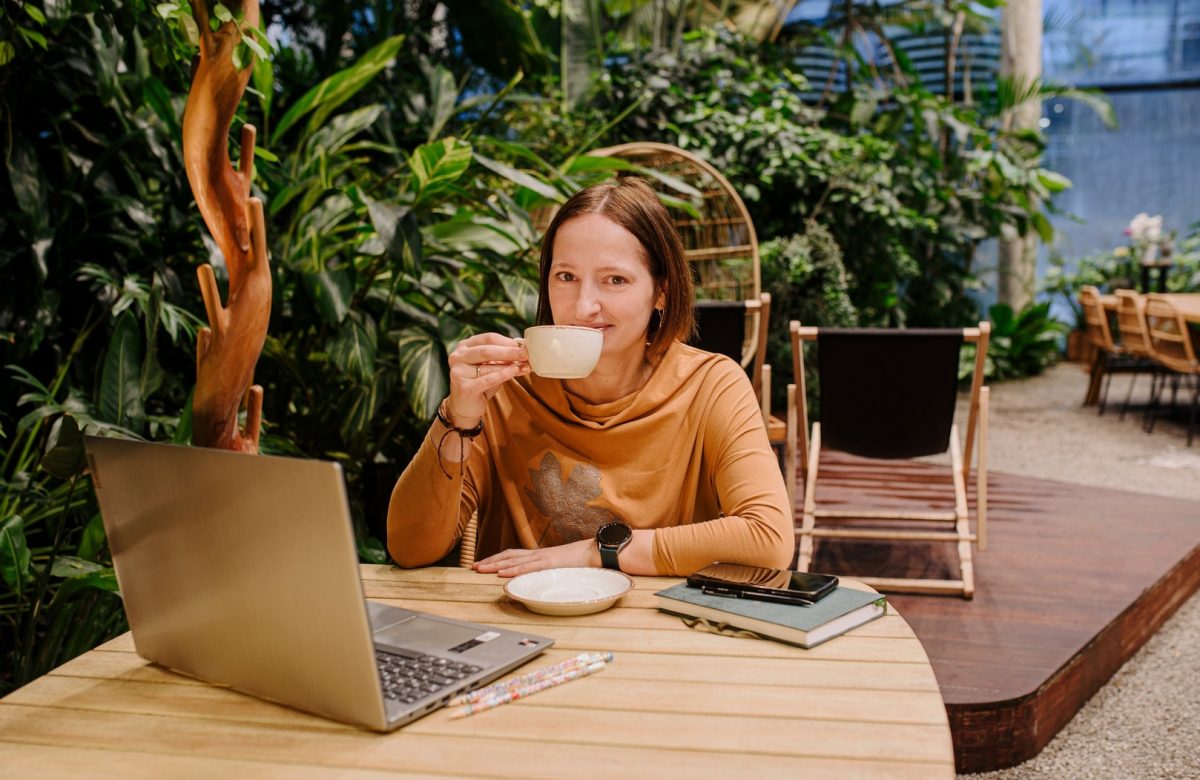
<point x="241" y="570"/>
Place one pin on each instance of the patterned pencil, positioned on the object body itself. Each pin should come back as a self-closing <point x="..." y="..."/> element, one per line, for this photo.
<point x="528" y="690"/>
<point x="576" y="662"/>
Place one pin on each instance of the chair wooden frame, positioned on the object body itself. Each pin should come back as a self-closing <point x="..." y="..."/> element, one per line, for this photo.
<point x="1112" y="356"/>
<point x="1171" y="342"/>
<point x="809" y="448"/>
<point x="1134" y="338"/>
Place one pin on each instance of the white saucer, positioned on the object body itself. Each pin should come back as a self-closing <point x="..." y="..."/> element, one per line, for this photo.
<point x="578" y="591"/>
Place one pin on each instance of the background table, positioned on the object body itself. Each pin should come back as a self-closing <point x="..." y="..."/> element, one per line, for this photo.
<point x="1187" y="304"/>
<point x="675" y="702"/>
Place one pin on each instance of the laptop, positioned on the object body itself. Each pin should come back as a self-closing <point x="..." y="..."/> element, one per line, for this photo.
<point x="241" y="570"/>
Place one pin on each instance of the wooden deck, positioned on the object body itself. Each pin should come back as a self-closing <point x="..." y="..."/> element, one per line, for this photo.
<point x="1075" y="579"/>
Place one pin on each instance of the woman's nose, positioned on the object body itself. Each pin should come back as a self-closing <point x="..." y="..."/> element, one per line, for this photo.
<point x="588" y="303"/>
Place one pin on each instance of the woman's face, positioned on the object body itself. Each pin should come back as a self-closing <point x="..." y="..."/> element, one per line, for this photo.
<point x="600" y="278"/>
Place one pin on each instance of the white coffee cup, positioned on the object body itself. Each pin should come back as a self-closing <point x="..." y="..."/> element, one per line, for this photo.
<point x="563" y="351"/>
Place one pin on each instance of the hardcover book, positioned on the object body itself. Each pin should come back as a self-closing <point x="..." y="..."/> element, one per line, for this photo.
<point x="835" y="614"/>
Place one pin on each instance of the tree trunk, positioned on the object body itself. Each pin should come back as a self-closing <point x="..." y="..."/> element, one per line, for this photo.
<point x="1021" y="59"/>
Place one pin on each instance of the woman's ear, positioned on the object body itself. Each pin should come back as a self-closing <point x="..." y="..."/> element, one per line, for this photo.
<point x="661" y="301"/>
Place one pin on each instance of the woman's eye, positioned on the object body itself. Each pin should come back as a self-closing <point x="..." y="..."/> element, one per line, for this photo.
<point x="618" y="280"/>
<point x="565" y="276"/>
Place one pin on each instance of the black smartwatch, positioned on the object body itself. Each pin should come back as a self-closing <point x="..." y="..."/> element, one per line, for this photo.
<point x="611" y="538"/>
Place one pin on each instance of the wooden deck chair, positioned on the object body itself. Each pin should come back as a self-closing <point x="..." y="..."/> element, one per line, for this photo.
<point x="888" y="395"/>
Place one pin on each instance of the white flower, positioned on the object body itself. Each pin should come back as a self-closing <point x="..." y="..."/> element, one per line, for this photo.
<point x="1144" y="227"/>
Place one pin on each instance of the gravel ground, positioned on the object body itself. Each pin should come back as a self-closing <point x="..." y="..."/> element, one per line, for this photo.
<point x="1145" y="723"/>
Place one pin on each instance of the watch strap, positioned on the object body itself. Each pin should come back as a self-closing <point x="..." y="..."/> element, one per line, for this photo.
<point x="608" y="557"/>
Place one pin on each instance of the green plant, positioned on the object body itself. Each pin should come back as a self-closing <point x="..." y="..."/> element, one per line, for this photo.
<point x="808" y="282"/>
<point x="1021" y="344"/>
<point x="907" y="182"/>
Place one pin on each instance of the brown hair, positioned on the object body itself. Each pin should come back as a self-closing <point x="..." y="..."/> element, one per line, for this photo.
<point x="631" y="203"/>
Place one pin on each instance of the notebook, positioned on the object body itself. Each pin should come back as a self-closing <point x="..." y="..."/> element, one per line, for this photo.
<point x="241" y="570"/>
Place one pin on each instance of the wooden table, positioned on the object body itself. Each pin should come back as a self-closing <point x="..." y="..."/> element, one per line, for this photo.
<point x="1187" y="304"/>
<point x="674" y="703"/>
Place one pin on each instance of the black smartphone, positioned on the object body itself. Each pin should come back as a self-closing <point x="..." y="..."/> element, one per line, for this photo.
<point x="762" y="584"/>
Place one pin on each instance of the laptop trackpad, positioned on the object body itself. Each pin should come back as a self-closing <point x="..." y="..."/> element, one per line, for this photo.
<point x="426" y="635"/>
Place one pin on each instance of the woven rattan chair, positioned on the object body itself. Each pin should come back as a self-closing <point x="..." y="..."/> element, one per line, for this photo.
<point x="722" y="248"/>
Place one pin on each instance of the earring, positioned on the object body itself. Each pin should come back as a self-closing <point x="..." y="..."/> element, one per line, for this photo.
<point x="655" y="322"/>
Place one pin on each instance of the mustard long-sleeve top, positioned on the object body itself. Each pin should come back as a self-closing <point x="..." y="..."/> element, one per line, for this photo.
<point x="687" y="454"/>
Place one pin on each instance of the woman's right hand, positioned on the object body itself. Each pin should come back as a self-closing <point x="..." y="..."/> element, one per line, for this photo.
<point x="478" y="366"/>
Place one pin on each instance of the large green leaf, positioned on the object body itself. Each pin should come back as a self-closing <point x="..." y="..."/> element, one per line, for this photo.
<point x="423" y="366"/>
<point x="342" y="128"/>
<point x="70" y="566"/>
<point x="1054" y="182"/>
<point x="586" y="163"/>
<point x="322" y="99"/>
<point x="466" y="231"/>
<point x="522" y="178"/>
<point x="81" y="575"/>
<point x="64" y="457"/>
<point x="26" y="178"/>
<point x="437" y="165"/>
<point x="14" y="553"/>
<point x="92" y="540"/>
<point x="353" y="349"/>
<point x="331" y="290"/>
<point x="357" y="409"/>
<point x="398" y="230"/>
<point x="121" y="379"/>
<point x="522" y="293"/>
<point x="443" y="94"/>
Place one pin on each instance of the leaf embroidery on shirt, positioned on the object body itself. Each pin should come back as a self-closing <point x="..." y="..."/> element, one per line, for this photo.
<point x="565" y="503"/>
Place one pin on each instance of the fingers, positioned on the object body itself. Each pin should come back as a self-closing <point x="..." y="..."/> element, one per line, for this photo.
<point x="510" y="563"/>
<point x="479" y="365"/>
<point x="469" y="354"/>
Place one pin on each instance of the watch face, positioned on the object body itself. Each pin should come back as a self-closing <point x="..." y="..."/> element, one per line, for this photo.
<point x="614" y="534"/>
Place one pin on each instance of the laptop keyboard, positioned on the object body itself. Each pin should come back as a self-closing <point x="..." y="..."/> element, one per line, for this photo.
<point x="409" y="678"/>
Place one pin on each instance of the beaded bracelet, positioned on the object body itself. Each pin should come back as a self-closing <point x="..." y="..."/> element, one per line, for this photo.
<point x="463" y="434"/>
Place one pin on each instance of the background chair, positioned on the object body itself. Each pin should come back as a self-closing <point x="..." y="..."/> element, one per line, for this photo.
<point x="1111" y="357"/>
<point x="1134" y="339"/>
<point x="1173" y="348"/>
<point x="888" y="395"/>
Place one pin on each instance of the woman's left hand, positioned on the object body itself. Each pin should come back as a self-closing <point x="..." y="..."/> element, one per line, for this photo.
<point x="512" y="562"/>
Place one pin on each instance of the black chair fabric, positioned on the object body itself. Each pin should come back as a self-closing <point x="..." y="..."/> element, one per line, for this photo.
<point x="720" y="327"/>
<point x="888" y="393"/>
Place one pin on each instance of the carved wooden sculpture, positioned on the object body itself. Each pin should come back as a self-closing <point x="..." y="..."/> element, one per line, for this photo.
<point x="227" y="350"/>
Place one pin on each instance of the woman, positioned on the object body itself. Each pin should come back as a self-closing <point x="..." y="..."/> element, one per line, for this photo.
<point x="661" y="450"/>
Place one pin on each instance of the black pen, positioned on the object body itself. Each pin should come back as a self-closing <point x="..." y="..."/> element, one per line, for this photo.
<point x="774" y="598"/>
